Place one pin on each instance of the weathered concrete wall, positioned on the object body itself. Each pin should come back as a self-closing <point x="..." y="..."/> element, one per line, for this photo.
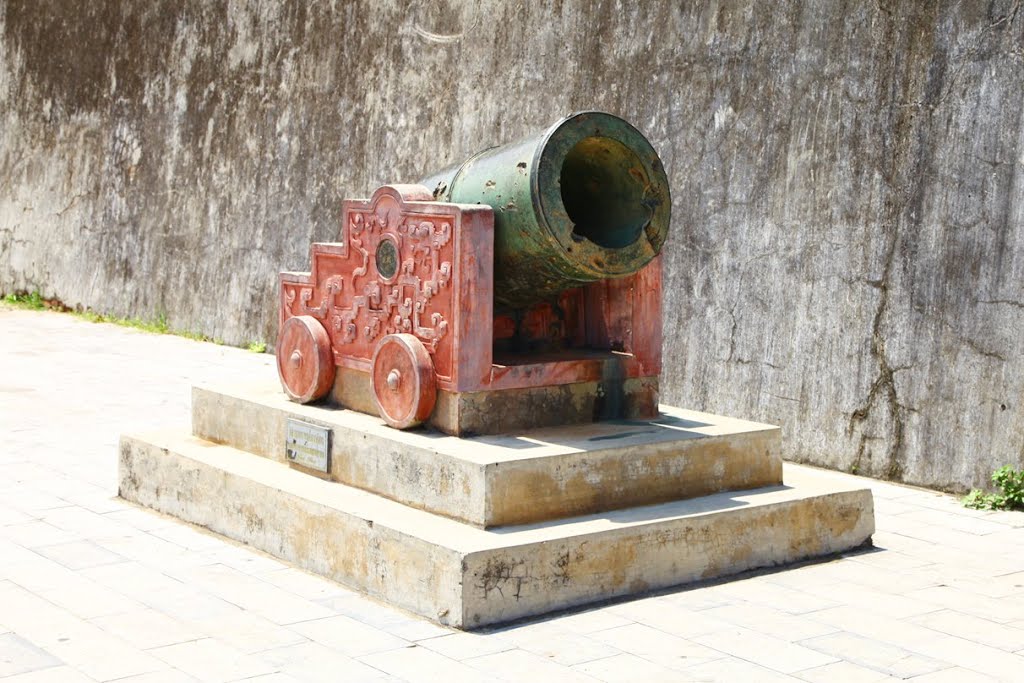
<point x="848" y="249"/>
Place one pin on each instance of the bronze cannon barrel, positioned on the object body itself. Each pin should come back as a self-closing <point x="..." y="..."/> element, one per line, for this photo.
<point x="585" y="200"/>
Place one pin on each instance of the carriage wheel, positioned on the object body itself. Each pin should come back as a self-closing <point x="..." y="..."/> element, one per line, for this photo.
<point x="305" y="361"/>
<point x="403" y="381"/>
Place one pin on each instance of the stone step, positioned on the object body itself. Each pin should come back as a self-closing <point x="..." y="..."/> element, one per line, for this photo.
<point x="532" y="476"/>
<point x="468" y="577"/>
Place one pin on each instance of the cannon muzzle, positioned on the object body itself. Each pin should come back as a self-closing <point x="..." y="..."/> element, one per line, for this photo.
<point x="585" y="200"/>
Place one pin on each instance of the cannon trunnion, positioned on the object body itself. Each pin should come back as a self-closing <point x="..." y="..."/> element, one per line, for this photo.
<point x="520" y="289"/>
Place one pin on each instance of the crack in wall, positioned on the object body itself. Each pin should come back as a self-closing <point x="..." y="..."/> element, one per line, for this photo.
<point x="884" y="386"/>
<point x="904" y="153"/>
<point x="1006" y="302"/>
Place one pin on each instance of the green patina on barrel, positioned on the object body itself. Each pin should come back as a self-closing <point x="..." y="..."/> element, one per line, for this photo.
<point x="585" y="200"/>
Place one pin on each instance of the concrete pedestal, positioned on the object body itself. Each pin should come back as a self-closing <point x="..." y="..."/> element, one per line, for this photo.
<point x="470" y="532"/>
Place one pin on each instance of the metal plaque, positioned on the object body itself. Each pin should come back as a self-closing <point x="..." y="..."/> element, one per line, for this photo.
<point x="308" y="445"/>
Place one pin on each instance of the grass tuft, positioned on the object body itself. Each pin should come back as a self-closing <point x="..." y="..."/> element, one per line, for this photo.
<point x="1011" y="484"/>
<point x="34" y="301"/>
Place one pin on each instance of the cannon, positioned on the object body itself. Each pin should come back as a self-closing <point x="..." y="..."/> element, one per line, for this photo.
<point x="519" y="289"/>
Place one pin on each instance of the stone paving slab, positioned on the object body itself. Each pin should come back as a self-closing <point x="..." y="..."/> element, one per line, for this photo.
<point x="95" y="589"/>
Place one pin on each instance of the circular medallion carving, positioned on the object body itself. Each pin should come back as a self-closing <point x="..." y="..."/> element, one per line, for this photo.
<point x="403" y="381"/>
<point x="387" y="259"/>
<point x="305" y="362"/>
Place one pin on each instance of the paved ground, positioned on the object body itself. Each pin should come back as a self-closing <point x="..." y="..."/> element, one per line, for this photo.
<point x="94" y="589"/>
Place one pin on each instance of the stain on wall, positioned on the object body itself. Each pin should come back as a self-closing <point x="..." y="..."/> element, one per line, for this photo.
<point x="848" y="181"/>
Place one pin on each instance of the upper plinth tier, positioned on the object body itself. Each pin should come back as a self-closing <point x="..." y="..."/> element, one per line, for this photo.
<point x="530" y="476"/>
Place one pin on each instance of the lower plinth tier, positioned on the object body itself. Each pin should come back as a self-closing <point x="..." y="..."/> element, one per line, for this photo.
<point x="647" y="509"/>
